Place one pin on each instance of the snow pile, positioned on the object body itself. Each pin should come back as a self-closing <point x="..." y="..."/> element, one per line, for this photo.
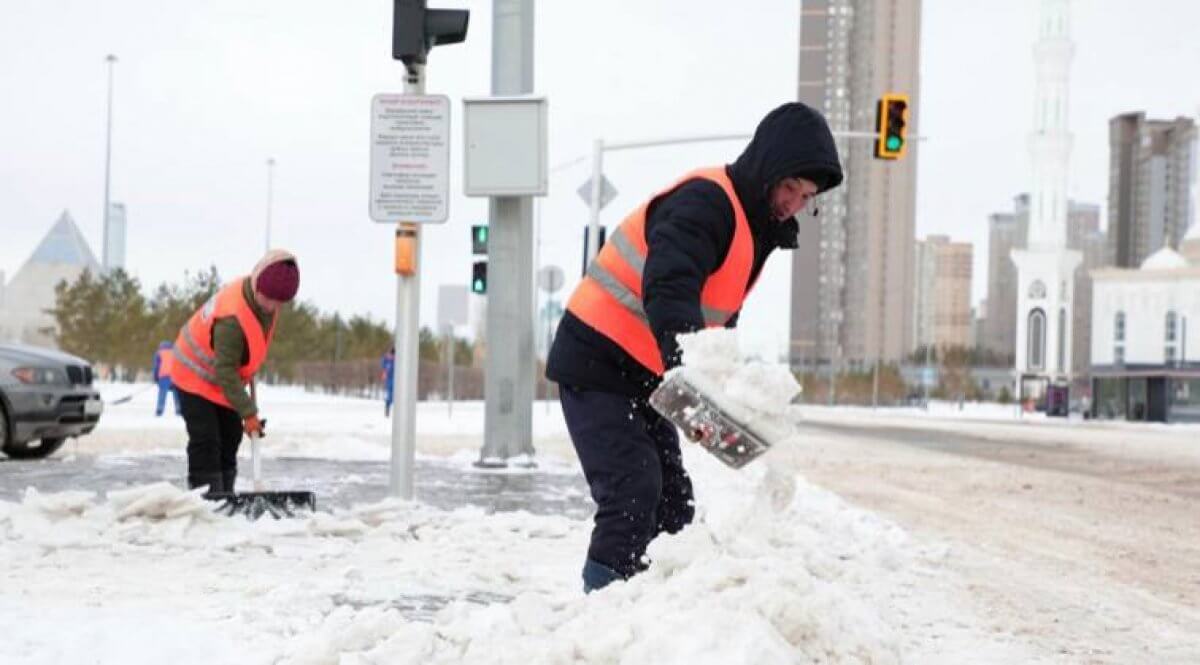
<point x="754" y="393"/>
<point x="753" y="581"/>
<point x="764" y="388"/>
<point x="746" y="585"/>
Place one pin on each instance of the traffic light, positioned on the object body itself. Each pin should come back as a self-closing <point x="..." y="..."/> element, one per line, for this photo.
<point x="892" y="124"/>
<point x="416" y="29"/>
<point x="479" y="239"/>
<point x="479" y="277"/>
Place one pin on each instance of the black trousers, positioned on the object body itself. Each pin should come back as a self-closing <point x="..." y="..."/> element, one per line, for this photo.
<point x="214" y="434"/>
<point x="630" y="457"/>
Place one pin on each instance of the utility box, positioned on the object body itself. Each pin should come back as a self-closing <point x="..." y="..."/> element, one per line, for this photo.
<point x="504" y="141"/>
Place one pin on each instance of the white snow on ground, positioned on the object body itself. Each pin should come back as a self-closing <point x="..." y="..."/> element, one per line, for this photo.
<point x="775" y="570"/>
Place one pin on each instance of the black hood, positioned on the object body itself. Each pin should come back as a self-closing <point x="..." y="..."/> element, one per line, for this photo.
<point x="792" y="140"/>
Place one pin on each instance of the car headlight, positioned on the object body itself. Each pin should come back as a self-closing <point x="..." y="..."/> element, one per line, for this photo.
<point x="36" y="375"/>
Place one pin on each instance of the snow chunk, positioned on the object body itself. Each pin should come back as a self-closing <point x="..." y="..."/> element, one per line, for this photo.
<point x="158" y="501"/>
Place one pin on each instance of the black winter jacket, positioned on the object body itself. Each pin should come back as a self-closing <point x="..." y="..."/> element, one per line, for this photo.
<point x="688" y="234"/>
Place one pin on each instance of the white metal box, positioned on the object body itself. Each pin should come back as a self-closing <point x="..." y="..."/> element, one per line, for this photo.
<point x="504" y="141"/>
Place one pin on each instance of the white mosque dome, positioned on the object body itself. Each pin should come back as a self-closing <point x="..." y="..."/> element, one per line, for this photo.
<point x="1164" y="259"/>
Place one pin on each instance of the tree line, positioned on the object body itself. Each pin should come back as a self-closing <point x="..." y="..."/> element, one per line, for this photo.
<point x="114" y="322"/>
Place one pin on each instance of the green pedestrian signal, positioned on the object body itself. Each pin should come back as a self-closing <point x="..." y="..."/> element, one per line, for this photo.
<point x="479" y="277"/>
<point x="479" y="239"/>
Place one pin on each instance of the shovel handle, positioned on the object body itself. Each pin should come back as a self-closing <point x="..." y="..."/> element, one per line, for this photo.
<point x="255" y="462"/>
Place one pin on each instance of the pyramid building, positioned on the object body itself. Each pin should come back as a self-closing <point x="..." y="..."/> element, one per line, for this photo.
<point x="63" y="254"/>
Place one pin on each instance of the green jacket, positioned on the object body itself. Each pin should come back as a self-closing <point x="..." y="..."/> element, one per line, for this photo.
<point x="232" y="351"/>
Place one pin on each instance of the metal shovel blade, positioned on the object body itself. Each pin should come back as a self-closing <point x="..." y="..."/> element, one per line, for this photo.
<point x="682" y="400"/>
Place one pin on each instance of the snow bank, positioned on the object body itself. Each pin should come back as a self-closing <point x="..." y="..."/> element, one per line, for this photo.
<point x="757" y="579"/>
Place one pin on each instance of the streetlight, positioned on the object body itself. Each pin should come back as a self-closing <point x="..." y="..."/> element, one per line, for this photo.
<point x="111" y="60"/>
<point x="270" y="186"/>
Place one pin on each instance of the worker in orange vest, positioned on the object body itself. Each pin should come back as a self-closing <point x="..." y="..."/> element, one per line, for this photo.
<point x="683" y="260"/>
<point x="215" y="357"/>
<point x="161" y="373"/>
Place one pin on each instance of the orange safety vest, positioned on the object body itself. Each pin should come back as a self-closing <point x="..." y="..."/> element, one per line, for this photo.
<point x="193" y="369"/>
<point x="609" y="298"/>
<point x="164" y="363"/>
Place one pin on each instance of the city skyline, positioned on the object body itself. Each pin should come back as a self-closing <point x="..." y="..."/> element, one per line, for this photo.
<point x="200" y="105"/>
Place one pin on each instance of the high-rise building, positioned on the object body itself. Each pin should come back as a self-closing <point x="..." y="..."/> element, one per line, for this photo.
<point x="852" y="276"/>
<point x="1006" y="232"/>
<point x="942" y="312"/>
<point x="1149" y="182"/>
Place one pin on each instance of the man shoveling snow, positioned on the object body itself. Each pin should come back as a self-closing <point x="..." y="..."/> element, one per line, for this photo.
<point x="682" y="261"/>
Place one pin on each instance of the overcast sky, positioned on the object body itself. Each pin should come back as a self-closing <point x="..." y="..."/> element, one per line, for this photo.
<point x="207" y="91"/>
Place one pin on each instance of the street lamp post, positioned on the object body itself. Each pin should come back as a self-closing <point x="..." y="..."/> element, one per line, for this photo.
<point x="105" y="255"/>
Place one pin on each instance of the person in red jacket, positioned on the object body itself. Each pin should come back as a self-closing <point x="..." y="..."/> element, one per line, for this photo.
<point x="215" y="358"/>
<point x="682" y="261"/>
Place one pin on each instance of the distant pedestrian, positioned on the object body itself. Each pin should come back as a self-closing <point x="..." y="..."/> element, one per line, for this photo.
<point x="162" y="376"/>
<point x="387" y="374"/>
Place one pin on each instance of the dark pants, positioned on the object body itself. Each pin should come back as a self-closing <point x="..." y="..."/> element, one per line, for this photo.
<point x="630" y="457"/>
<point x="214" y="433"/>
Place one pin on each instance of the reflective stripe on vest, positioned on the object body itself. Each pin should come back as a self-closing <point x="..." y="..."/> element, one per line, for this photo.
<point x="609" y="298"/>
<point x="193" y="355"/>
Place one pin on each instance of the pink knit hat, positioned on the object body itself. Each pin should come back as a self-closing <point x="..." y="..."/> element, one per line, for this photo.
<point x="277" y="276"/>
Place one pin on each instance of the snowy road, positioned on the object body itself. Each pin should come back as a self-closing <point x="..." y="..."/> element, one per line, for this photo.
<point x="870" y="537"/>
<point x="1081" y="539"/>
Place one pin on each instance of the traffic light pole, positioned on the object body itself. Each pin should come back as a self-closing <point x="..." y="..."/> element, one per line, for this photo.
<point x="599" y="147"/>
<point x="509" y="379"/>
<point x="408" y="311"/>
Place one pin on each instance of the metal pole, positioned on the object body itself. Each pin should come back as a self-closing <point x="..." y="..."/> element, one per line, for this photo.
<point x="106" y="256"/>
<point x="509" y="386"/>
<point x="875" y="387"/>
<point x="270" y="196"/>
<point x="448" y="337"/>
<point x="926" y="377"/>
<point x="408" y="310"/>
<point x="594" y="207"/>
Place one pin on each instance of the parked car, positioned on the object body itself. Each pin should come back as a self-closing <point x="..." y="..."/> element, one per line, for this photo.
<point x="45" y="397"/>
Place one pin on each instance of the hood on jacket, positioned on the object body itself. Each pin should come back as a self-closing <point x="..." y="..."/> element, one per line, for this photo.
<point x="792" y="140"/>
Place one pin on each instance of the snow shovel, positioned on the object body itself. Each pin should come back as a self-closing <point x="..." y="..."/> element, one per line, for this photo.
<point x="261" y="502"/>
<point x="686" y="401"/>
<point x="255" y="504"/>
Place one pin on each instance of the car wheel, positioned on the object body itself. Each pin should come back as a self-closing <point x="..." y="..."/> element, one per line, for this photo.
<point x="3" y="428"/>
<point x="33" y="449"/>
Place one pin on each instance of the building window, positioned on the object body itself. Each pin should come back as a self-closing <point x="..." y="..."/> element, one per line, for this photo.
<point x="1036" y="352"/>
<point x="1171" y="335"/>
<point x="1119" y="328"/>
<point x="1119" y="355"/>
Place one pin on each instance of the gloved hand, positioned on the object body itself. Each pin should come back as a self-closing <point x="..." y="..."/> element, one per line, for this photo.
<point x="253" y="426"/>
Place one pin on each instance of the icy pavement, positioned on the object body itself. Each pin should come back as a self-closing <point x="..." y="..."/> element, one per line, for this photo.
<point x="445" y="483"/>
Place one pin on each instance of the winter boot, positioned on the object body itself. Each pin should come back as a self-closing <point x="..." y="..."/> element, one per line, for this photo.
<point x="229" y="477"/>
<point x="214" y="482"/>
<point x="597" y="576"/>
